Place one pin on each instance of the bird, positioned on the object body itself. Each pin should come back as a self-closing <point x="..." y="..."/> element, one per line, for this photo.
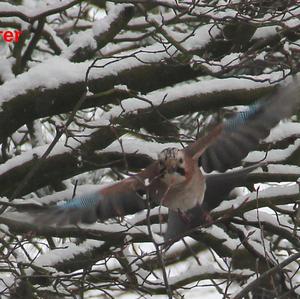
<point x="218" y="189"/>
<point x="180" y="178"/>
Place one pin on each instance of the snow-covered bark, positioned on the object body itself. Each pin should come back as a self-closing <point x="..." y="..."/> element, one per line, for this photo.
<point x="92" y="92"/>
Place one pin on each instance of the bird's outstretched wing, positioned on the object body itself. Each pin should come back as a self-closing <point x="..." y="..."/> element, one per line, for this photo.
<point x="123" y="198"/>
<point x="242" y="134"/>
<point x="218" y="187"/>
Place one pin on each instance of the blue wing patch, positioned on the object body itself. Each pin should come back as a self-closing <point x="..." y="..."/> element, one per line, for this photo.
<point x="243" y="116"/>
<point x="81" y="202"/>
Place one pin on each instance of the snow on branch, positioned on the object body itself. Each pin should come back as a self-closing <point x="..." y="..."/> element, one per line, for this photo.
<point x="91" y="93"/>
<point x="85" y="44"/>
<point x="29" y="15"/>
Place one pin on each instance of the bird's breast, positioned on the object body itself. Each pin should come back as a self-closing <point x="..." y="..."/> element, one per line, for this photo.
<point x="173" y="178"/>
<point x="185" y="195"/>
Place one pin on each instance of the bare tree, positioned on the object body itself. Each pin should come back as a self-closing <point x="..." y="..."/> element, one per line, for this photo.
<point x="91" y="92"/>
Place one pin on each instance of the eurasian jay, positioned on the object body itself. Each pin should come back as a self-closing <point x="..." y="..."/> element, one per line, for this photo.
<point x="175" y="180"/>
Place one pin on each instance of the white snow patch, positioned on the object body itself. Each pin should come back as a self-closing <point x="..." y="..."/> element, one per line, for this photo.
<point x="133" y="145"/>
<point x="6" y="64"/>
<point x="31" y="155"/>
<point x="102" y="25"/>
<point x="82" y="39"/>
<point x="55" y="71"/>
<point x="275" y="155"/>
<point x="182" y="91"/>
<point x="284" y="169"/>
<point x="283" y="130"/>
<point x="276" y="191"/>
<point x="220" y="234"/>
<point x="70" y="251"/>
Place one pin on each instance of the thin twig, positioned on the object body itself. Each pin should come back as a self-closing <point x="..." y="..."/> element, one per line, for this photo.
<point x="253" y="284"/>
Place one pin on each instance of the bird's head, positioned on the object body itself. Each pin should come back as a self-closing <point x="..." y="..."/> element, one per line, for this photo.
<point x="172" y="165"/>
